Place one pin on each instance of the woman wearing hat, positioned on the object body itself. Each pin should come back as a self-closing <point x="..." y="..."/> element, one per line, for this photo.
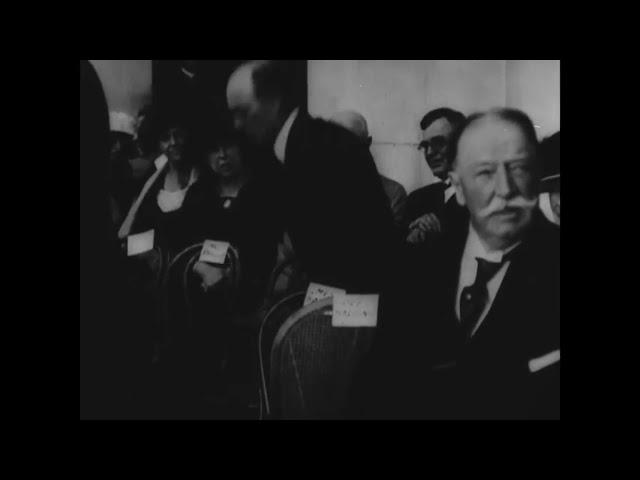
<point x="167" y="200"/>
<point x="243" y="206"/>
<point x="212" y="188"/>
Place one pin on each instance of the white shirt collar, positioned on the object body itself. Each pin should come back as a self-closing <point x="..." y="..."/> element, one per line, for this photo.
<point x="475" y="247"/>
<point x="446" y="181"/>
<point x="469" y="267"/>
<point x="281" y="140"/>
<point x="449" y="191"/>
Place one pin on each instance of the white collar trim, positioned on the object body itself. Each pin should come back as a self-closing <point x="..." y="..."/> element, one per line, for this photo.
<point x="280" y="145"/>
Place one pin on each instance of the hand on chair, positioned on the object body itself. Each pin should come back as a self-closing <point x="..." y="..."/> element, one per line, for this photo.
<point x="212" y="276"/>
<point x="423" y="226"/>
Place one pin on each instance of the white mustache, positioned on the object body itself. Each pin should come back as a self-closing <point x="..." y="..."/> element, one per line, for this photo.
<point x="499" y="204"/>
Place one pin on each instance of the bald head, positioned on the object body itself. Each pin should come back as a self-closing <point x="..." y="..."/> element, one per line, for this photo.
<point x="240" y="84"/>
<point x="255" y="99"/>
<point x="261" y="94"/>
<point x="352" y="121"/>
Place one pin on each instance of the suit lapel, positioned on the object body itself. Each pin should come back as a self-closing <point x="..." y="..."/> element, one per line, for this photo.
<point x="442" y="188"/>
<point x="449" y="272"/>
<point x="506" y="312"/>
<point x="296" y="141"/>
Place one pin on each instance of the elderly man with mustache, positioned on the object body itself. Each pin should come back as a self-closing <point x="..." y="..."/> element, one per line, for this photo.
<point x="474" y="331"/>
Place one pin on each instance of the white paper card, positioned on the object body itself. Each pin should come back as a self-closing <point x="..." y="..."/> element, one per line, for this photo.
<point x="354" y="310"/>
<point x="214" y="251"/>
<point x="140" y="243"/>
<point x="317" y="291"/>
<point x="160" y="161"/>
<point x="544" y="361"/>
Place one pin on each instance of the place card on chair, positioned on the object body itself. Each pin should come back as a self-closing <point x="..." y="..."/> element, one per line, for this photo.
<point x="214" y="251"/>
<point x="140" y="243"/>
<point x="355" y="310"/>
<point x="317" y="291"/>
<point x="536" y="364"/>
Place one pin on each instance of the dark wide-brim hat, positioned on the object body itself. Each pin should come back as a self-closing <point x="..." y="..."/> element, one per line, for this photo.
<point x="217" y="132"/>
<point x="550" y="156"/>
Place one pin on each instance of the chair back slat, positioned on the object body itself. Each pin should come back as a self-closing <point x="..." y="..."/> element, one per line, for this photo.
<point x="313" y="364"/>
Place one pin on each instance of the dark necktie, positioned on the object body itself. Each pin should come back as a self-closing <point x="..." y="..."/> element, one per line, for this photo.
<point x="475" y="297"/>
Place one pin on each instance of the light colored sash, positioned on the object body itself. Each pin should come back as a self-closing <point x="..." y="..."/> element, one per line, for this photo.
<point x="125" y="228"/>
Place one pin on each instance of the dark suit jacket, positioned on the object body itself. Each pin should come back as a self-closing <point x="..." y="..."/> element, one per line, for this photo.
<point x="113" y="344"/>
<point x="339" y="219"/>
<point x="486" y="377"/>
<point x="397" y="196"/>
<point x="195" y="101"/>
<point x="430" y="199"/>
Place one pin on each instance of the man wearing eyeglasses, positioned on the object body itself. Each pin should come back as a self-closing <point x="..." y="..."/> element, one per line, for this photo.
<point x="429" y="208"/>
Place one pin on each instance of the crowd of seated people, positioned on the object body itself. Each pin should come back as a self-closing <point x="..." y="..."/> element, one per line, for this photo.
<point x="466" y="268"/>
<point x="211" y="187"/>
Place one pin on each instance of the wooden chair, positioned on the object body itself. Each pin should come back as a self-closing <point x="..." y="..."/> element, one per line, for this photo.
<point x="312" y="364"/>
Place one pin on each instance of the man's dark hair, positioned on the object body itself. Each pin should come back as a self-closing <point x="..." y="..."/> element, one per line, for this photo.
<point x="454" y="117"/>
<point x="277" y="79"/>
<point x="512" y="115"/>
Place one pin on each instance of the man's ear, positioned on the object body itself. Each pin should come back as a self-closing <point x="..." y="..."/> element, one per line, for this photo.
<point x="455" y="181"/>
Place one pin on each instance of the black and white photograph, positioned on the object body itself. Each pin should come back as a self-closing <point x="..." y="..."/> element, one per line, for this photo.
<point x="354" y="240"/>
